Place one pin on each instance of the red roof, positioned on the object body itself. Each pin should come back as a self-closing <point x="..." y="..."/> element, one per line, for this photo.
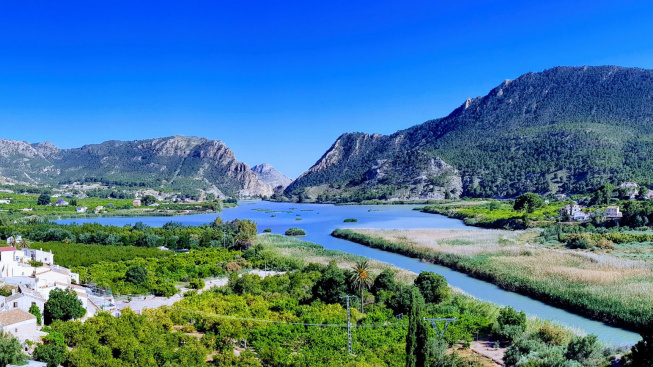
<point x="7" y="248"/>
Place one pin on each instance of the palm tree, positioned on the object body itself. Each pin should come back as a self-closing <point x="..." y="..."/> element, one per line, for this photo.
<point x="360" y="278"/>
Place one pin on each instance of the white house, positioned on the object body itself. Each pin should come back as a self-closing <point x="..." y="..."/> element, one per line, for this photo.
<point x="20" y="324"/>
<point x="39" y="255"/>
<point x="14" y="263"/>
<point x="613" y="212"/>
<point x="5" y="201"/>
<point x="629" y="185"/>
<point x="81" y="209"/>
<point x="12" y="239"/>
<point x="574" y="212"/>
<point x="23" y="300"/>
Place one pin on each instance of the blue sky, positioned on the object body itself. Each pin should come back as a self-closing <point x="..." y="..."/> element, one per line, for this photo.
<point x="278" y="82"/>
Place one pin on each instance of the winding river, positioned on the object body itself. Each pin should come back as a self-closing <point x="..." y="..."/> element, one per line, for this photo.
<point x="319" y="220"/>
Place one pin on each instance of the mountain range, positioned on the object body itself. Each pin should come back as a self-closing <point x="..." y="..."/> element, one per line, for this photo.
<point x="177" y="162"/>
<point x="563" y="130"/>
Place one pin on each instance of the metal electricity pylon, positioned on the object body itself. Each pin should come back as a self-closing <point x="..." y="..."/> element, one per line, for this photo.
<point x="438" y="332"/>
<point x="348" y="323"/>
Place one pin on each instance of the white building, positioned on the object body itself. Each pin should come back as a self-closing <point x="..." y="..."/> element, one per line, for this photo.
<point x="613" y="212"/>
<point x="14" y="263"/>
<point x="39" y="255"/>
<point x="22" y="300"/>
<point x="574" y="212"/>
<point x="20" y="324"/>
<point x="81" y="209"/>
<point x="12" y="239"/>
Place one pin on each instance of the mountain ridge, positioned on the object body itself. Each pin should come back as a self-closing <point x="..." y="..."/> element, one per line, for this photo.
<point x="178" y="162"/>
<point x="565" y="129"/>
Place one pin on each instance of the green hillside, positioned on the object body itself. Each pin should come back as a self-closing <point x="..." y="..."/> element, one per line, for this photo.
<point x="566" y="129"/>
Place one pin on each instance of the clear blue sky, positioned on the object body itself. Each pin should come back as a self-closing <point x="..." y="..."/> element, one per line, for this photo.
<point x="279" y="81"/>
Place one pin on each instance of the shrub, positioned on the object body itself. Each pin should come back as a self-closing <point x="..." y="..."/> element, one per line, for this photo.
<point x="433" y="286"/>
<point x="331" y="285"/>
<point x="245" y="284"/>
<point x="510" y="324"/>
<point x="585" y="350"/>
<point x="400" y="301"/>
<point x="136" y="274"/>
<point x="267" y="230"/>
<point x="580" y="241"/>
<point x="551" y="335"/>
<point x="196" y="283"/>
<point x="640" y="354"/>
<point x="233" y="266"/>
<point x="350" y="220"/>
<point x="384" y="282"/>
<point x="295" y="232"/>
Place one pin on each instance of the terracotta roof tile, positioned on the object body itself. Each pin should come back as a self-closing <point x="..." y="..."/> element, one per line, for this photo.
<point x="14" y="316"/>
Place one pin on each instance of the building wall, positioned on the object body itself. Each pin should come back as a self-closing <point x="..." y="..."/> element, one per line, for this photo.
<point x="22" y="330"/>
<point x="23" y="303"/>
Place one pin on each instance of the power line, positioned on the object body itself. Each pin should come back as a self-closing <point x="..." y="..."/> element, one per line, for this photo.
<point x="236" y="318"/>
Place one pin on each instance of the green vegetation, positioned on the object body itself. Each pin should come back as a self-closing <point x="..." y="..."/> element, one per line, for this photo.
<point x="295" y="232"/>
<point x="157" y="275"/>
<point x="10" y="350"/>
<point x="528" y="202"/>
<point x="291" y="319"/>
<point x="599" y="286"/>
<point x="350" y="220"/>
<point x="500" y="214"/>
<point x="34" y="310"/>
<point x="560" y="133"/>
<point x="172" y="235"/>
<point x="63" y="305"/>
<point x="77" y="254"/>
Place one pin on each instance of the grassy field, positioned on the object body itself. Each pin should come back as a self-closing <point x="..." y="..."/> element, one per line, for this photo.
<point x="302" y="252"/>
<point x="612" y="289"/>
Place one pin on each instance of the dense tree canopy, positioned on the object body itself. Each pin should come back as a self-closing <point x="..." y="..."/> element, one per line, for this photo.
<point x="63" y="305"/>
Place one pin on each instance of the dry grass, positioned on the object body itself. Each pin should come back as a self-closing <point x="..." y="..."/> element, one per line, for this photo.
<point x="601" y="284"/>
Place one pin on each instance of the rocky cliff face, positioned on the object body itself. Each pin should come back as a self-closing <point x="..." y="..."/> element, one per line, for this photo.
<point x="175" y="162"/>
<point x="364" y="166"/>
<point x="268" y="174"/>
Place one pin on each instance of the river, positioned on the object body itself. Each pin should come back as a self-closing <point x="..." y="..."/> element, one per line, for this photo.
<point x="319" y="220"/>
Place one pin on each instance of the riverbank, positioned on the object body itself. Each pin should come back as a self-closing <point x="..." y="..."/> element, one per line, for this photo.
<point x="616" y="291"/>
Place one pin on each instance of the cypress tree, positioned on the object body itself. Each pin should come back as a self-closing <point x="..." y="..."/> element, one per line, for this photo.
<point x="417" y="337"/>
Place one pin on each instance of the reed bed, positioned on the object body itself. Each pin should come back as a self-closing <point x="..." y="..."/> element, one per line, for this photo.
<point x="615" y="290"/>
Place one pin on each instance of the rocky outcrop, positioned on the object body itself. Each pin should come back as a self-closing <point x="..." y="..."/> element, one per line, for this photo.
<point x="268" y="174"/>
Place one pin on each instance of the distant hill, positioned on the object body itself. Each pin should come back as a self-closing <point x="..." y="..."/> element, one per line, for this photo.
<point x="178" y="162"/>
<point x="268" y="174"/>
<point x="566" y="129"/>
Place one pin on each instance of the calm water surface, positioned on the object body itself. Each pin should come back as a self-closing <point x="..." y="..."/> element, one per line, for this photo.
<point x="319" y="220"/>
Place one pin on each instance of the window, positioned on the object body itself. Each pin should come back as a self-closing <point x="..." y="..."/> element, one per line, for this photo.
<point x="15" y="304"/>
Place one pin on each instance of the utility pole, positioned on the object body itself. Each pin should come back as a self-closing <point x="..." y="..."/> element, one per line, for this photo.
<point x="348" y="324"/>
<point x="438" y="332"/>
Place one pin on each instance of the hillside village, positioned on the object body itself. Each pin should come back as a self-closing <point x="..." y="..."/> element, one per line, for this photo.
<point x="32" y="275"/>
